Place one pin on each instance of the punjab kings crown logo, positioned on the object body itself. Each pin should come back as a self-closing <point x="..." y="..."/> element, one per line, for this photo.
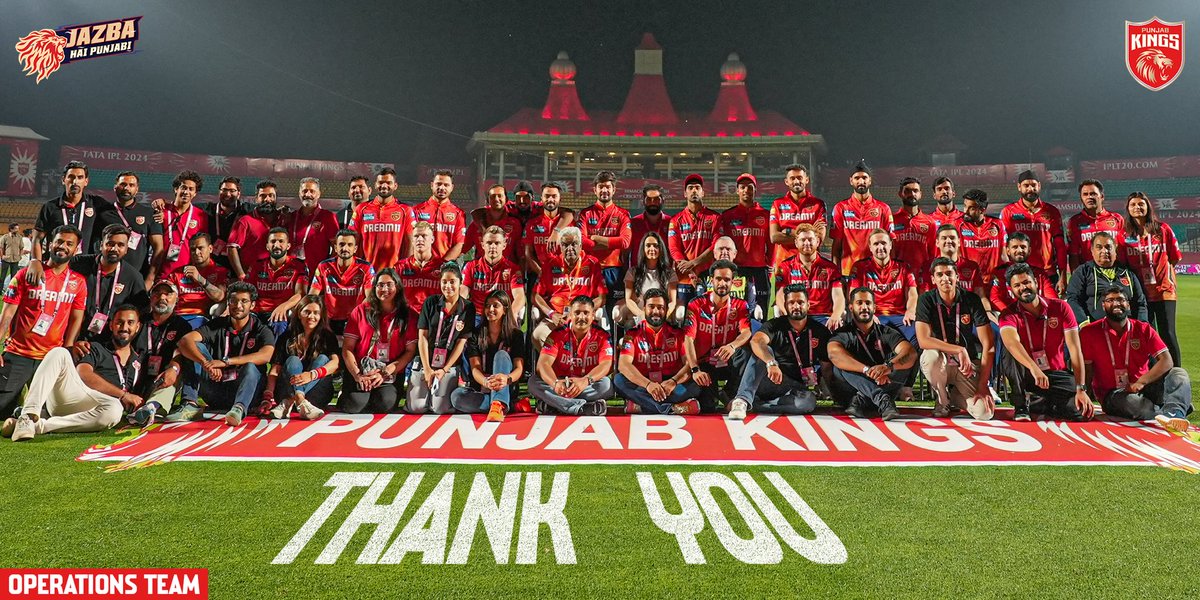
<point x="43" y="51"/>
<point x="1154" y="52"/>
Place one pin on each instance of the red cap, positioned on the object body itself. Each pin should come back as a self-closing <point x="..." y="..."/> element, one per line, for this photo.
<point x="745" y="176"/>
<point x="693" y="178"/>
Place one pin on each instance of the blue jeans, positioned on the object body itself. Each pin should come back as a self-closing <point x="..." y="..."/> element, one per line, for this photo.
<point x="196" y="321"/>
<point x="648" y="404"/>
<point x="317" y="391"/>
<point x="846" y="385"/>
<point x="277" y="327"/>
<point x="897" y="321"/>
<point x="242" y="391"/>
<point x="467" y="400"/>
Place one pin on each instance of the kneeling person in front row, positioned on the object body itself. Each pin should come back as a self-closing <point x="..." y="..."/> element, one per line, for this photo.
<point x="1117" y="351"/>
<point x="88" y="397"/>
<point x="653" y="372"/>
<point x="958" y="349"/>
<point x="792" y="351"/>
<point x="872" y="360"/>
<point x="572" y="370"/>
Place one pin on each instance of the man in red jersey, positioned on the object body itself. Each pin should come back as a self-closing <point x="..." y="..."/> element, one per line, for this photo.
<point x="652" y="219"/>
<point x="855" y="218"/>
<point x="201" y="282"/>
<point x="562" y="280"/>
<point x="248" y="239"/>
<point x="748" y="224"/>
<point x="280" y="280"/>
<point x="796" y="207"/>
<point x="1085" y="224"/>
<point x="998" y="292"/>
<point x="539" y="237"/>
<point x="571" y="373"/>
<point x="1117" y="351"/>
<point x="967" y="272"/>
<point x="449" y="222"/>
<point x="716" y="330"/>
<point x="42" y="316"/>
<point x="384" y="224"/>
<point x="912" y="230"/>
<point x="420" y="275"/>
<point x="892" y="282"/>
<point x="312" y="228"/>
<point x="606" y="236"/>
<point x="690" y="238"/>
<point x="1035" y="331"/>
<point x="653" y="372"/>
<point x="1042" y="222"/>
<point x="494" y="215"/>
<point x="983" y="236"/>
<point x="181" y="220"/>
<point x="946" y="211"/>
<point x="491" y="271"/>
<point x="821" y="278"/>
<point x="342" y="281"/>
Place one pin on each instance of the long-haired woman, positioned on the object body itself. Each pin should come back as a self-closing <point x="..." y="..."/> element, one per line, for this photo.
<point x="306" y="358"/>
<point x="496" y="353"/>
<point x="379" y="342"/>
<point x="652" y="269"/>
<point x="1151" y="250"/>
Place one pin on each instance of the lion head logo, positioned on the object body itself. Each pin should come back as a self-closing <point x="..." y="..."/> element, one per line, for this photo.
<point x="41" y="53"/>
<point x="1152" y="66"/>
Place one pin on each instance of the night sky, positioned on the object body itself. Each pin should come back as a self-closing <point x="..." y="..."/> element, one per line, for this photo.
<point x="409" y="85"/>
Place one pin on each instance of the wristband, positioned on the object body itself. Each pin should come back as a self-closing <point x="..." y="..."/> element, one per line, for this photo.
<point x="865" y="369"/>
<point x="320" y="372"/>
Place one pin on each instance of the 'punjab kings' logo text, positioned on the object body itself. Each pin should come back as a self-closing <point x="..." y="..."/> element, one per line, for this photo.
<point x="1154" y="52"/>
<point x="43" y="51"/>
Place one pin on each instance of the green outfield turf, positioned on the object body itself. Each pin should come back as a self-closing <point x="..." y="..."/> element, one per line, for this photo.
<point x="1117" y="532"/>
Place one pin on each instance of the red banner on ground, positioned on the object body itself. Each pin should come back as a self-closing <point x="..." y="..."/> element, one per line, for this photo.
<point x="143" y="161"/>
<point x="641" y="439"/>
<point x="103" y="584"/>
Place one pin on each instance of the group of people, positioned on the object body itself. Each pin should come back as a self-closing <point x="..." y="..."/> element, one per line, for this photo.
<point x="166" y="309"/>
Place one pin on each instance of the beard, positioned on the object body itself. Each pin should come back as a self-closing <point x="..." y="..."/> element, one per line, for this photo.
<point x="797" y="315"/>
<point x="1117" y="315"/>
<point x="1030" y="196"/>
<point x="308" y="202"/>
<point x="945" y="201"/>
<point x="112" y="258"/>
<point x="163" y="309"/>
<point x="908" y="201"/>
<point x="59" y="258"/>
<point x="1027" y="296"/>
<point x="267" y="208"/>
<point x="656" y="321"/>
<point x="278" y="253"/>
<point x="653" y="211"/>
<point x="861" y="189"/>
<point x="125" y="197"/>
<point x="120" y="342"/>
<point x="863" y="317"/>
<point x="722" y="292"/>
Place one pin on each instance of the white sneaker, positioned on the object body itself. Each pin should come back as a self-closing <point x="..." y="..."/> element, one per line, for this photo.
<point x="737" y="409"/>
<point x="282" y="410"/>
<point x="25" y="429"/>
<point x="308" y="412"/>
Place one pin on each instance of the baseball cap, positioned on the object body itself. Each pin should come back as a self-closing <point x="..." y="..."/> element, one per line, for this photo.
<point x="693" y="178"/>
<point x="166" y="282"/>
<point x="745" y="176"/>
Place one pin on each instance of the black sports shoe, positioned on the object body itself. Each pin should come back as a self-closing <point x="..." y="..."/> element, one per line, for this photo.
<point x="858" y="407"/>
<point x="888" y="410"/>
<point x="597" y="408"/>
<point x="1021" y="413"/>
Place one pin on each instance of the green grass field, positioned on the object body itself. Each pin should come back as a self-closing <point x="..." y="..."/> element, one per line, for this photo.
<point x="1118" y="532"/>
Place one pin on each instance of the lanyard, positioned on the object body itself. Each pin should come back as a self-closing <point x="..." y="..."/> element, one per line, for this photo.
<point x="1108" y="341"/>
<point x="387" y="334"/>
<point x="866" y="344"/>
<point x="438" y="336"/>
<point x="307" y="230"/>
<point x="121" y="371"/>
<point x="81" y="207"/>
<point x="156" y="347"/>
<point x="121" y="213"/>
<point x="1045" y="326"/>
<point x="59" y="300"/>
<point x="186" y="224"/>
<point x="957" y="314"/>
<point x="796" y="352"/>
<point x="112" y="295"/>
<point x="245" y="338"/>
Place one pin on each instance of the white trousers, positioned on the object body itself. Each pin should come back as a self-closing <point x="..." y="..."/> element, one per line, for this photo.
<point x="64" y="402"/>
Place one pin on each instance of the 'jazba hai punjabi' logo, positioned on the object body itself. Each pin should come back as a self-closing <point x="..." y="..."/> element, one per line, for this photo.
<point x="1154" y="52"/>
<point x="43" y="51"/>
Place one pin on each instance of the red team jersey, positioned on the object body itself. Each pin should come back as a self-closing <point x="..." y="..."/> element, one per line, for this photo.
<point x="384" y="230"/>
<point x="711" y="327"/>
<point x="419" y="282"/>
<point x="890" y="283"/>
<point x="513" y="248"/>
<point x="970" y="276"/>
<point x="58" y="296"/>
<point x="276" y="285"/>
<point x="394" y="337"/>
<point x="1108" y="350"/>
<point x="1081" y="228"/>
<point x="750" y="229"/>
<point x="1153" y="257"/>
<point x="658" y="355"/>
<point x="193" y="300"/>
<point x="559" y="284"/>
<point x="853" y="222"/>
<point x="249" y="236"/>
<point x="913" y="237"/>
<point x="449" y="223"/>
<point x="574" y="358"/>
<point x="823" y="280"/>
<point x="537" y="234"/>
<point x="342" y="289"/>
<point x="1047" y="247"/>
<point x="481" y="278"/>
<point x="1045" y="333"/>
<point x="178" y="229"/>
<point x="690" y="234"/>
<point x="983" y="243"/>
<point x="788" y="212"/>
<point x="939" y="218"/>
<point x="1001" y="297"/>
<point x="611" y="222"/>
<point x="312" y="236"/>
<point x="639" y="226"/>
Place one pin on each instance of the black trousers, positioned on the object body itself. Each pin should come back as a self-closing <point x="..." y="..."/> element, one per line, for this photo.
<point x="1162" y="317"/>
<point x="1057" y="401"/>
<point x="731" y="374"/>
<point x="380" y="400"/>
<point x="16" y="373"/>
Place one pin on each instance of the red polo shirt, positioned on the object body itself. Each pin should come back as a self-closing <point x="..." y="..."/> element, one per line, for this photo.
<point x="341" y="289"/>
<point x="276" y="285"/>
<point x="383" y="230"/>
<point x="1081" y="228"/>
<point x="823" y="280"/>
<point x="1106" y="350"/>
<point x="574" y="358"/>
<point x="312" y="236"/>
<point x="639" y="226"/>
<point x="481" y="278"/>
<point x="1043" y="225"/>
<point x="983" y="243"/>
<point x="788" y="212"/>
<point x="537" y="233"/>
<point x="656" y="354"/>
<point x="749" y="226"/>
<point x="1153" y="258"/>
<point x="1042" y="333"/>
<point x="58" y="296"/>
<point x="193" y="300"/>
<point x="611" y="222"/>
<point x="513" y="249"/>
<point x="913" y="237"/>
<point x="178" y="228"/>
<point x="690" y="234"/>
<point x="559" y="285"/>
<point x="970" y="276"/>
<point x="1001" y="297"/>
<point x="853" y="222"/>
<point x="890" y="283"/>
<point x="419" y="282"/>
<point x="449" y="223"/>
<point x="713" y="327"/>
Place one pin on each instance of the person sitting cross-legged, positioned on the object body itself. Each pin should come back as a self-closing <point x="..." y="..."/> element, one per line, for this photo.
<point x="572" y="371"/>
<point x="652" y="371"/>
<point x="872" y="360"/>
<point x="496" y="353"/>
<point x="306" y="359"/>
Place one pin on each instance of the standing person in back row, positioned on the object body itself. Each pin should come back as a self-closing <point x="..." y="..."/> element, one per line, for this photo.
<point x="606" y="235"/>
<point x="75" y="207"/>
<point x="311" y="229"/>
<point x="797" y="207"/>
<point x="448" y="221"/>
<point x="690" y="238"/>
<point x="748" y="224"/>
<point x="1093" y="219"/>
<point x="1042" y="222"/>
<point x="384" y="224"/>
<point x="855" y="218"/>
<point x="145" y="233"/>
<point x="1149" y="247"/>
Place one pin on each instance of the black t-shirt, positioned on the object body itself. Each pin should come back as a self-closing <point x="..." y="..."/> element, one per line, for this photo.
<point x="223" y="342"/>
<point x="219" y="228"/>
<point x="139" y="218"/>
<point x="329" y="343"/>
<point x="458" y="324"/>
<point x="156" y="344"/>
<point x="795" y="350"/>
<point x="954" y="323"/>
<point x="514" y="346"/>
<point x="875" y="348"/>
<point x="104" y="363"/>
<point x="107" y="292"/>
<point x="83" y="215"/>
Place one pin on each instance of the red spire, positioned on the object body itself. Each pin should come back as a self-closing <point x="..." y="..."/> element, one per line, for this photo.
<point x="563" y="101"/>
<point x="733" y="104"/>
<point x="648" y="102"/>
